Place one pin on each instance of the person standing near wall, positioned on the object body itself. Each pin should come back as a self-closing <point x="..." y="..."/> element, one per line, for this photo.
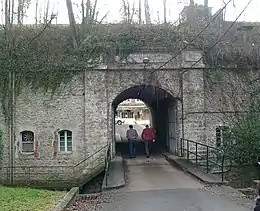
<point x="132" y="135"/>
<point x="148" y="137"/>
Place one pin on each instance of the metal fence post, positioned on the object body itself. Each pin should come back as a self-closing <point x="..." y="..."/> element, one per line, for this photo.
<point x="222" y="167"/>
<point x="182" y="146"/>
<point x="29" y="175"/>
<point x="188" y="149"/>
<point x="196" y="153"/>
<point x="207" y="159"/>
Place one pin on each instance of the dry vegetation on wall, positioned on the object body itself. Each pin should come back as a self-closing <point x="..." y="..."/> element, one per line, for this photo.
<point x="1" y="146"/>
<point x="51" y="58"/>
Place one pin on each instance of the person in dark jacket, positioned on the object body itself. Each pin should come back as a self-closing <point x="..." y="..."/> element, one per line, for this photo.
<point x="257" y="205"/>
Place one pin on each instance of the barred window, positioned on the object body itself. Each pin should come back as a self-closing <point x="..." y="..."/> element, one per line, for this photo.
<point x="27" y="141"/>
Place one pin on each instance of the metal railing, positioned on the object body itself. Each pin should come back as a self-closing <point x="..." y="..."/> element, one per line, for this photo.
<point x="108" y="160"/>
<point x="61" y="175"/>
<point x="198" y="149"/>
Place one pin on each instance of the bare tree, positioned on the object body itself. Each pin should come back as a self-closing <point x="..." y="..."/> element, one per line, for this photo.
<point x="46" y="12"/>
<point x="128" y="11"/>
<point x="147" y="12"/>
<point x="164" y="11"/>
<point x="73" y="24"/>
<point x="140" y="12"/>
<point x="36" y="11"/>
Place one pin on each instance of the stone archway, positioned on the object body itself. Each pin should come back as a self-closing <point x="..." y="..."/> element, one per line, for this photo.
<point x="163" y="107"/>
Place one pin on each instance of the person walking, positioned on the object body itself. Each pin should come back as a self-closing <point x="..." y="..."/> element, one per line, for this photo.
<point x="132" y="135"/>
<point x="148" y="136"/>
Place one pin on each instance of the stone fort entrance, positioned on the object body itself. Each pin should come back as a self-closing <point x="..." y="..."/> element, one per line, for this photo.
<point x="163" y="107"/>
<point x="76" y="124"/>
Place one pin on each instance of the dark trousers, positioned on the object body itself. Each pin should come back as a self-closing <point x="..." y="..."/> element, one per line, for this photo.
<point x="132" y="147"/>
<point x="148" y="147"/>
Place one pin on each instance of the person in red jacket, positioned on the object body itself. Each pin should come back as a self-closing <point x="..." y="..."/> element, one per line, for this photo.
<point x="148" y="137"/>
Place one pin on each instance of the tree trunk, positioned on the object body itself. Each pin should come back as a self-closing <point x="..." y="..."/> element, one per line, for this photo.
<point x="140" y="11"/>
<point x="83" y="12"/>
<point x="72" y="24"/>
<point x="36" y="12"/>
<point x="164" y="11"/>
<point x="147" y="12"/>
<point x="87" y="17"/>
<point x="94" y="12"/>
<point x="47" y="12"/>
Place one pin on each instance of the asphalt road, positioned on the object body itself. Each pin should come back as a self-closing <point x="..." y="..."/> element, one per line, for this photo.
<point x="155" y="185"/>
<point x="172" y="200"/>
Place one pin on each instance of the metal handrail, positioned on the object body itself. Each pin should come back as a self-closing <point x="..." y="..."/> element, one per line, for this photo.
<point x="108" y="160"/>
<point x="207" y="159"/>
<point x="92" y="155"/>
<point x="72" y="172"/>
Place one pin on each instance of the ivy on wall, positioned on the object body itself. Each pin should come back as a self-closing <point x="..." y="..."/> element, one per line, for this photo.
<point x="44" y="58"/>
<point x="1" y="146"/>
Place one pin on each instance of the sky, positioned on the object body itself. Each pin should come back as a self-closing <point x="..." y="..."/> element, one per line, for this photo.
<point x="112" y="7"/>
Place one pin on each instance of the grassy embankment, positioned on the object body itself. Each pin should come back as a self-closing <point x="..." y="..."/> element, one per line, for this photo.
<point x="27" y="199"/>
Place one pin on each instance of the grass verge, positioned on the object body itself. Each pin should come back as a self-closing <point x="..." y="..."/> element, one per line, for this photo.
<point x="27" y="199"/>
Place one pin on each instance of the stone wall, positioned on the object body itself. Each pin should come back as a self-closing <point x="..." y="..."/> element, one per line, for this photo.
<point x="85" y="107"/>
<point x="45" y="114"/>
<point x="226" y="92"/>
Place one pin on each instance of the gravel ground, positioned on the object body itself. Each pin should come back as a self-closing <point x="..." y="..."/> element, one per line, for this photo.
<point x="90" y="202"/>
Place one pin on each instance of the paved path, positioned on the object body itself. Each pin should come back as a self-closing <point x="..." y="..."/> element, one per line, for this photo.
<point x="154" y="185"/>
<point x="171" y="200"/>
<point x="156" y="173"/>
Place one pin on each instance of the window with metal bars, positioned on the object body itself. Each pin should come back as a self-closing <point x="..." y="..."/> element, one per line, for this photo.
<point x="27" y="141"/>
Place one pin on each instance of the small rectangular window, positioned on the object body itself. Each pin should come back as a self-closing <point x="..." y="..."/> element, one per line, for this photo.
<point x="127" y="115"/>
<point x="65" y="141"/>
<point x="222" y="133"/>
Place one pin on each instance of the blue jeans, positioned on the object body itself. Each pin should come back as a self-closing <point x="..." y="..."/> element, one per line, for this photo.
<point x="132" y="147"/>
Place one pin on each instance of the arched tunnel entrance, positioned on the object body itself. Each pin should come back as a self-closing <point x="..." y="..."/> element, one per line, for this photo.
<point x="163" y="109"/>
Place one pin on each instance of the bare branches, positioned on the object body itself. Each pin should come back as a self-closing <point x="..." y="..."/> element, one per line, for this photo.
<point x="128" y="12"/>
<point x="147" y="12"/>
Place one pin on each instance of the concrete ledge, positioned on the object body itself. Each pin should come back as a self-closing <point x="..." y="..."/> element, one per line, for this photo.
<point x="68" y="198"/>
<point x="193" y="170"/>
<point x="115" y="175"/>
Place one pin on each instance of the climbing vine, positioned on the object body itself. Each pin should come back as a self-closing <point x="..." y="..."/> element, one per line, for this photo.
<point x="45" y="57"/>
<point x="1" y="146"/>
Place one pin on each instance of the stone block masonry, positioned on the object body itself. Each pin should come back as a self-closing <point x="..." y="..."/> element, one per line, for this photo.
<point x="84" y="107"/>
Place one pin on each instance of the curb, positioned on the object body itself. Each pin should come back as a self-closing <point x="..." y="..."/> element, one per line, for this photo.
<point x="113" y="187"/>
<point x="117" y="186"/>
<point x="183" y="168"/>
<point x="67" y="199"/>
